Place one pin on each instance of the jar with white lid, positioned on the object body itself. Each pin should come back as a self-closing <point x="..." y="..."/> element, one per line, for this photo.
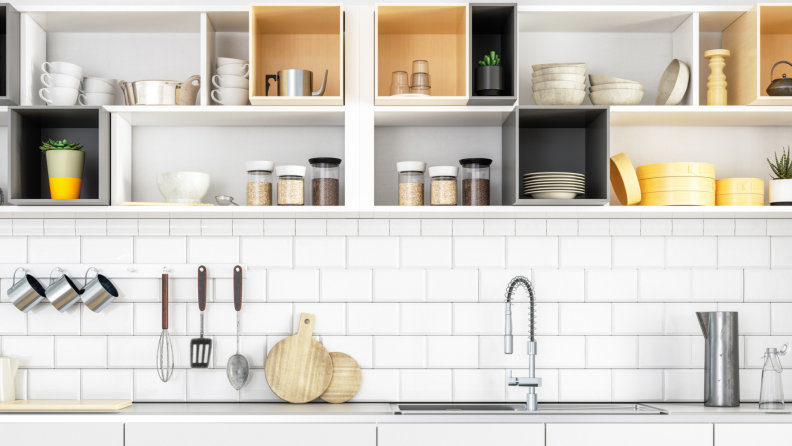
<point x="443" y="185"/>
<point x="291" y="185"/>
<point x="259" y="185"/>
<point x="411" y="182"/>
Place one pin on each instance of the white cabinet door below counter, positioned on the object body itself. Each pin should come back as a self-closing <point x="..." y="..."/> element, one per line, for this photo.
<point x="644" y="434"/>
<point x="250" y="434"/>
<point x="459" y="434"/>
<point x="62" y="434"/>
<point x="749" y="434"/>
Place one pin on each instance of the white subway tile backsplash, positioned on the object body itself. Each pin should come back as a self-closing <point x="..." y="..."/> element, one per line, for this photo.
<point x="315" y="252"/>
<point x="638" y="252"/>
<point x="557" y="351"/>
<point x="149" y="387"/>
<point x="479" y="319"/>
<point x="750" y="385"/>
<point x="32" y="351"/>
<point x="81" y="352"/>
<point x="13" y="250"/>
<point x="28" y="226"/>
<point x="453" y="352"/>
<point x="767" y="286"/>
<point x="683" y="385"/>
<point x="399" y="286"/>
<point x="719" y="227"/>
<point x="217" y="227"/>
<point x="530" y="227"/>
<point x="373" y="252"/>
<point x="405" y="352"/>
<point x="151" y="226"/>
<point x="778" y="226"/>
<point x="680" y="319"/>
<point x="358" y="347"/>
<point x="378" y="385"/>
<point x="426" y="319"/>
<point x="637" y="385"/>
<point x="584" y="385"/>
<point x="499" y="226"/>
<point x="469" y="227"/>
<point x="585" y="252"/>
<point x="186" y="290"/>
<point x="213" y="249"/>
<point x="656" y="226"/>
<point x="452" y="286"/>
<point x="257" y="319"/>
<point x="373" y="227"/>
<point x="562" y="227"/>
<point x="121" y="226"/>
<point x="593" y="226"/>
<point x="6" y="227"/>
<point x="745" y="226"/>
<point x="492" y="284"/>
<point x="54" y="384"/>
<point x="293" y="286"/>
<point x="692" y="252"/>
<point x="638" y="319"/>
<point x="625" y="227"/>
<point x="548" y="393"/>
<point x="436" y="227"/>
<point x="688" y="226"/>
<point x="54" y="249"/>
<point x="743" y="252"/>
<point x="663" y="286"/>
<point x="559" y="285"/>
<point x="755" y="347"/>
<point x="346" y="285"/>
<point x="753" y="318"/>
<point x="584" y="319"/>
<point x="426" y="252"/>
<point x="161" y="250"/>
<point x="655" y="352"/>
<point x="148" y="319"/>
<point x="90" y="226"/>
<point x="14" y="321"/>
<point x="248" y="226"/>
<point x="44" y="319"/>
<point x="405" y="226"/>
<point x="279" y="227"/>
<point x="373" y="319"/>
<point x="781" y="318"/>
<point x="107" y="385"/>
<point x="479" y="385"/>
<point x="532" y="252"/>
<point x="611" y="285"/>
<point x="426" y="385"/>
<point x="781" y="252"/>
<point x="98" y="250"/>
<point x="479" y="252"/>
<point x="330" y="318"/>
<point x="342" y="227"/>
<point x="266" y="252"/>
<point x="137" y="290"/>
<point x="59" y="226"/>
<point x="723" y="285"/>
<point x="210" y="385"/>
<point x="128" y="352"/>
<point x="611" y="352"/>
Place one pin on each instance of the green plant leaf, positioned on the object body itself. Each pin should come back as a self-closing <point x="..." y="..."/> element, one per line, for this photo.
<point x="487" y="60"/>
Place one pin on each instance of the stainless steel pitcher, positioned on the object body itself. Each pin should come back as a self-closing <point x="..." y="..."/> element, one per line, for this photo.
<point x="721" y="358"/>
<point x="295" y="83"/>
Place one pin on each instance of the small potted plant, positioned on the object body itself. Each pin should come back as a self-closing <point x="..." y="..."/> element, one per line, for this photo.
<point x="489" y="76"/>
<point x="65" y="162"/>
<point x="781" y="186"/>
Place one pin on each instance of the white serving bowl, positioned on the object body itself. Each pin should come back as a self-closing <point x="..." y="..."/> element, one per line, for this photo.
<point x="183" y="187"/>
<point x="559" y="70"/>
<point x="558" y="65"/>
<point x="560" y="77"/>
<point x="559" y="97"/>
<point x="617" y="87"/>
<point x="550" y="85"/>
<point x="596" y="79"/>
<point x="616" y="97"/>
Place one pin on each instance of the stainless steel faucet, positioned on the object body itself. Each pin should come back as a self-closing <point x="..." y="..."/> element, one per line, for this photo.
<point x="532" y="382"/>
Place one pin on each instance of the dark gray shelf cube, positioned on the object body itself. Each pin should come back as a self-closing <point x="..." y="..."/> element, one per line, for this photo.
<point x="27" y="166"/>
<point x="493" y="27"/>
<point x="9" y="55"/>
<point x="557" y="139"/>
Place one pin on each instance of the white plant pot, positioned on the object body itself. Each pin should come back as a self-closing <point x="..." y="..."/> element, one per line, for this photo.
<point x="781" y="192"/>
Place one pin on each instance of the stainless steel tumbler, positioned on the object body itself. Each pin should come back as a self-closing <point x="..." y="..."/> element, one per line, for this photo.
<point x="721" y="358"/>
<point x="99" y="292"/>
<point x="62" y="292"/>
<point x="26" y="293"/>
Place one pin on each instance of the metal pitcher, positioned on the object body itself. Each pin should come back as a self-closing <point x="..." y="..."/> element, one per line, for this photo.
<point x="295" y="83"/>
<point x="99" y="292"/>
<point x="721" y="358"/>
<point x="26" y="293"/>
<point x="62" y="293"/>
<point x="161" y="92"/>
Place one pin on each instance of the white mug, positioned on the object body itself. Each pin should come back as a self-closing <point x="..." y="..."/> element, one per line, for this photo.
<point x="97" y="86"/>
<point x="96" y="99"/>
<point x="242" y="70"/>
<point x="60" y="80"/>
<point x="111" y="82"/>
<point x="63" y="68"/>
<point x="231" y="96"/>
<point x="228" y="61"/>
<point x="229" y="81"/>
<point x="59" y="95"/>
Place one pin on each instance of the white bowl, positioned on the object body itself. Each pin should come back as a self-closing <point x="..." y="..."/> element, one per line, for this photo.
<point x="596" y="79"/>
<point x="560" y="77"/>
<point x="616" y="97"/>
<point x="617" y="87"/>
<point x="559" y="70"/>
<point x="183" y="187"/>
<point x="559" y="97"/>
<point x="558" y="65"/>
<point x="550" y="85"/>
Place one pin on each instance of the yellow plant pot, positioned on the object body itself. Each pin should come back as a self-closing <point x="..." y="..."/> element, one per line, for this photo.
<point x="65" y="171"/>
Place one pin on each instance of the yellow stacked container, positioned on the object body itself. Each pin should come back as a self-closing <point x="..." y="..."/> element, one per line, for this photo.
<point x="677" y="184"/>
<point x="739" y="192"/>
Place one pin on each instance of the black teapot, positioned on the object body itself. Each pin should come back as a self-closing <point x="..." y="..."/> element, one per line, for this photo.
<point x="780" y="87"/>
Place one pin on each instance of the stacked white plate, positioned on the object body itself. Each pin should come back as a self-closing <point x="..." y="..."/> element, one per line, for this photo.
<point x="559" y="83"/>
<point x="554" y="185"/>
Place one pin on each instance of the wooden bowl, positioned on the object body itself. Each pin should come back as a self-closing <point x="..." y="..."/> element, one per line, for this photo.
<point x="560" y="77"/>
<point x="616" y="97"/>
<point x="673" y="84"/>
<point x="596" y="79"/>
<point x="559" y="70"/>
<point x="617" y="87"/>
<point x="557" y="65"/>
<point x="550" y="85"/>
<point x="559" y="96"/>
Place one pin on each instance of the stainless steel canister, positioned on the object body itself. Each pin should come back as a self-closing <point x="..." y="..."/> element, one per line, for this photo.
<point x="26" y="293"/>
<point x="99" y="292"/>
<point x="721" y="358"/>
<point x="62" y="293"/>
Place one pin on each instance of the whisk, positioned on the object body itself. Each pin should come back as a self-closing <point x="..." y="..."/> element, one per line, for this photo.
<point x="164" y="348"/>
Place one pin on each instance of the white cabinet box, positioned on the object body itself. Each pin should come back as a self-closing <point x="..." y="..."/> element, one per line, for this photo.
<point x="745" y="434"/>
<point x="281" y="434"/>
<point x="62" y="434"/>
<point x="656" y="434"/>
<point x="458" y="434"/>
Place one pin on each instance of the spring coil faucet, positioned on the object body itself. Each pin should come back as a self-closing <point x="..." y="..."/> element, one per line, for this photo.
<point x="532" y="382"/>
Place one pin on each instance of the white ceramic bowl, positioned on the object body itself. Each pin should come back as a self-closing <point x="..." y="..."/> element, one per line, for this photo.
<point x="560" y="77"/>
<point x="559" y="70"/>
<point x="616" y="97"/>
<point x="183" y="187"/>
<point x="596" y="79"/>
<point x="559" y="97"/>
<point x="550" y="85"/>
<point x="617" y="87"/>
<point x="557" y="65"/>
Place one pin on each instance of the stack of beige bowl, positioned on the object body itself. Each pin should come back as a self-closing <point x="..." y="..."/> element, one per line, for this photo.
<point x="559" y="83"/>
<point x="606" y="90"/>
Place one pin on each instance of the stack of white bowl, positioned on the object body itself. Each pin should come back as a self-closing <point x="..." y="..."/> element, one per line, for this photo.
<point x="554" y="185"/>
<point x="232" y="81"/>
<point x="62" y="83"/>
<point x="559" y="83"/>
<point x="98" y="91"/>
<point x="606" y="90"/>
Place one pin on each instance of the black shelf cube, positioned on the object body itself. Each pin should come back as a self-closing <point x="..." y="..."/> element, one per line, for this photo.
<point x="9" y="55"/>
<point x="493" y="27"/>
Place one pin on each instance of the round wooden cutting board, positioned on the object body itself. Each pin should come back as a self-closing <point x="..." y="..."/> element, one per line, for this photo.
<point x="346" y="379"/>
<point x="298" y="368"/>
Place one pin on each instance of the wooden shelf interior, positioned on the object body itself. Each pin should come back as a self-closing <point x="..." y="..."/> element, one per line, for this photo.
<point x="493" y="29"/>
<point x="30" y="126"/>
<point x="296" y="37"/>
<point x="775" y="39"/>
<point x="565" y="140"/>
<point x="437" y="34"/>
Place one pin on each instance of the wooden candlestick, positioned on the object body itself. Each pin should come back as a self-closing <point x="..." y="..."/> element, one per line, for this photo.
<point x="716" y="87"/>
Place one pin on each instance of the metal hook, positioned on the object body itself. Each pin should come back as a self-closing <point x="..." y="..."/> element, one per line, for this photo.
<point x="165" y="270"/>
<point x="13" y="281"/>
<point x="57" y="268"/>
<point x="131" y="270"/>
<point x="86" y="274"/>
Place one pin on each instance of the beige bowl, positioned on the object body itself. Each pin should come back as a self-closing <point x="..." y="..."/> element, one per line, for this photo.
<point x="596" y="79"/>
<point x="559" y="96"/>
<point x="557" y="65"/>
<point x="616" y="97"/>
<point x="617" y="87"/>
<point x="539" y="86"/>
<point x="560" y="77"/>
<point x="559" y="70"/>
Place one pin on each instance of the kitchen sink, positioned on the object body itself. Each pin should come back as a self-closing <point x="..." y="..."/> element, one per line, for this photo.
<point x="572" y="409"/>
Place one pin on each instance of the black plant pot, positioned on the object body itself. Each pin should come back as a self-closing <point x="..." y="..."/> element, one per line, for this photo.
<point x="489" y="81"/>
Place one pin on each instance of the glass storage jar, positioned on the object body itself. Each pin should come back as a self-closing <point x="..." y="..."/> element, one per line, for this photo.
<point x="444" y="185"/>
<point x="411" y="182"/>
<point x="259" y="186"/>
<point x="324" y="183"/>
<point x="291" y="185"/>
<point x="475" y="181"/>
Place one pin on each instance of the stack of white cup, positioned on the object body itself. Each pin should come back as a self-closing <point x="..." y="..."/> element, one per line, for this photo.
<point x="62" y="82"/>
<point x="231" y="81"/>
<point x="98" y="91"/>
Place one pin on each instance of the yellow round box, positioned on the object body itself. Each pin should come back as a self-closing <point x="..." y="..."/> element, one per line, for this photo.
<point x="739" y="186"/>
<point x="678" y="198"/>
<point x="674" y="184"/>
<point x="662" y="170"/>
<point x="739" y="200"/>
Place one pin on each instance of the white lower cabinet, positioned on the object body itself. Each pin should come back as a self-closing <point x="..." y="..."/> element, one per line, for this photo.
<point x="655" y="434"/>
<point x="750" y="434"/>
<point x="251" y="434"/>
<point x="459" y="434"/>
<point x="62" y="434"/>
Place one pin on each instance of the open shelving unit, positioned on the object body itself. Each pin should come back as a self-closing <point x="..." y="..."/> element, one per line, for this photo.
<point x="494" y="27"/>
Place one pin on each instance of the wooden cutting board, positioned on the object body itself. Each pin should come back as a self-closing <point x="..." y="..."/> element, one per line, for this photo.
<point x="298" y="368"/>
<point x="63" y="405"/>
<point x="346" y="379"/>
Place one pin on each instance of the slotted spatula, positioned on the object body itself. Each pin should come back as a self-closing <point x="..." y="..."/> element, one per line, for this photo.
<point x="201" y="348"/>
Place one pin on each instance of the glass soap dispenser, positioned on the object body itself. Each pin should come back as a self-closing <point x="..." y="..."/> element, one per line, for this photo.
<point x="771" y="395"/>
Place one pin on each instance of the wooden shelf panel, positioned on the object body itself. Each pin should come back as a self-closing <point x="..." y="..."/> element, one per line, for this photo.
<point x="747" y="116"/>
<point x="440" y="116"/>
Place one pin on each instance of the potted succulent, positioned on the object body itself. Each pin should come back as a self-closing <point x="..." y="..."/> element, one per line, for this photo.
<point x="65" y="162"/>
<point x="781" y="186"/>
<point x="489" y="76"/>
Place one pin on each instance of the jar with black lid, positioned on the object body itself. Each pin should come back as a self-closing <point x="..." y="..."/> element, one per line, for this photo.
<point x="475" y="181"/>
<point x="325" y="174"/>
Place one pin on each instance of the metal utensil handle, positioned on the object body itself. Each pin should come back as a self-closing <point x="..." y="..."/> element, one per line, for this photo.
<point x="164" y="301"/>
<point x="238" y="287"/>
<point x="57" y="268"/>
<point x="771" y="70"/>
<point x="13" y="281"/>
<point x="202" y="288"/>
<point x="86" y="274"/>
